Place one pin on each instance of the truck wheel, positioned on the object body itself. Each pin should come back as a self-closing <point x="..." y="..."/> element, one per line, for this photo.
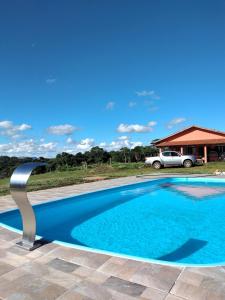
<point x="157" y="165"/>
<point x="188" y="163"/>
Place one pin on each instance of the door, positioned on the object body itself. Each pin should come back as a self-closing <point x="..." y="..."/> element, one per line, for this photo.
<point x="176" y="158"/>
<point x="167" y="158"/>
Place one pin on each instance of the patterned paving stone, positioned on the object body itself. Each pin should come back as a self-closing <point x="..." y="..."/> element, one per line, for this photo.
<point x="113" y="266"/>
<point x="19" y="296"/>
<point x="62" y="265"/>
<point x="84" y="271"/>
<point x="12" y="259"/>
<point x="153" y="294"/>
<point x="98" y="277"/>
<point x="5" y="244"/>
<point x="34" y="254"/>
<point x="36" y="269"/>
<point x="48" y="247"/>
<point x="158" y="276"/>
<point x="73" y="295"/>
<point x="90" y="259"/>
<point x="14" y="274"/>
<point x="17" y="250"/>
<point x="123" y="286"/>
<point x="5" y="268"/>
<point x="119" y="296"/>
<point x="172" y="297"/>
<point x="197" y="284"/>
<point x="66" y="280"/>
<point x="93" y="291"/>
<point x="7" y="235"/>
<point x="130" y="267"/>
<point x="30" y="286"/>
<point x="216" y="273"/>
<point x="60" y="278"/>
<point x="65" y="253"/>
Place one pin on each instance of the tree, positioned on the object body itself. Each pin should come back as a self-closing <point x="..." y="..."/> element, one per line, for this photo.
<point x="97" y="155"/>
<point x="66" y="159"/>
<point x="116" y="156"/>
<point x="126" y="154"/>
<point x="150" y="151"/>
<point x="79" y="157"/>
<point x="137" y="154"/>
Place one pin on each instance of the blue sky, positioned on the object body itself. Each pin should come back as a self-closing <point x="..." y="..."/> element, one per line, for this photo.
<point x="75" y="74"/>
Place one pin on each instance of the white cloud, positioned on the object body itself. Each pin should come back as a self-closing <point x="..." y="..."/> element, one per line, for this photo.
<point x="152" y="123"/>
<point x="23" y="127"/>
<point x="73" y="147"/>
<point x="50" y="81"/>
<point x="103" y="145"/>
<point x="7" y="128"/>
<point x="85" y="144"/>
<point x="4" y="148"/>
<point x="36" y="148"/>
<point x="110" y="105"/>
<point x="65" y="129"/>
<point x="48" y="146"/>
<point x="120" y="142"/>
<point x="69" y="140"/>
<point x="6" y="124"/>
<point x="129" y="128"/>
<point x="152" y="94"/>
<point x="175" y="122"/>
<point x="88" y="143"/>
<point x="123" y="137"/>
<point x="132" y="104"/>
<point x="135" y="144"/>
<point x="29" y="148"/>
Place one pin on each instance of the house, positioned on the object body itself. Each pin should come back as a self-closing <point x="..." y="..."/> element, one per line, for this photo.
<point x="208" y="144"/>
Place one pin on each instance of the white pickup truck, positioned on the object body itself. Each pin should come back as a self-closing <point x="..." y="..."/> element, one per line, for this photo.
<point x="171" y="158"/>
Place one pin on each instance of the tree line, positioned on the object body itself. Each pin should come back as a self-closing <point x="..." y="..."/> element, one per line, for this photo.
<point x="65" y="161"/>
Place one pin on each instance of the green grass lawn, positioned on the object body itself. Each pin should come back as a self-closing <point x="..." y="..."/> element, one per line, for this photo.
<point x="98" y="172"/>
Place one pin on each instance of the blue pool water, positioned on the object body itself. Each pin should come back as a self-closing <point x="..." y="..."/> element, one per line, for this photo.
<point x="178" y="220"/>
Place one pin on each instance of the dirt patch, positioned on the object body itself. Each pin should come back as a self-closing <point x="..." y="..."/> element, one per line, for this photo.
<point x="94" y="178"/>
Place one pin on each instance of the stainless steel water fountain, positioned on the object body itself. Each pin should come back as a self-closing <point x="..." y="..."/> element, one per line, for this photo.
<point x="18" y="184"/>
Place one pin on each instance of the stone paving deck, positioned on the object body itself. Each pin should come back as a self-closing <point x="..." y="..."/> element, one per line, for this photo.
<point x="57" y="272"/>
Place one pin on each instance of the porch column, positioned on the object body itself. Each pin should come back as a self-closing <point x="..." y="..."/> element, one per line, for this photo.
<point x="205" y="154"/>
<point x="160" y="150"/>
<point x="182" y="150"/>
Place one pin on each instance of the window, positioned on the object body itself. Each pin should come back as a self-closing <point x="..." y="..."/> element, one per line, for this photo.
<point x="175" y="154"/>
<point x="167" y="153"/>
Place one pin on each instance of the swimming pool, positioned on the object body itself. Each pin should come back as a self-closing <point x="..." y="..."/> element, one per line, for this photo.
<point x="179" y="220"/>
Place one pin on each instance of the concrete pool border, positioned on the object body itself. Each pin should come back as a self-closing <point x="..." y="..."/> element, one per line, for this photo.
<point x="184" y="282"/>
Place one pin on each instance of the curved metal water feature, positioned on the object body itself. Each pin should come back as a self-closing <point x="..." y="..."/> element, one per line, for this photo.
<point x="18" y="184"/>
